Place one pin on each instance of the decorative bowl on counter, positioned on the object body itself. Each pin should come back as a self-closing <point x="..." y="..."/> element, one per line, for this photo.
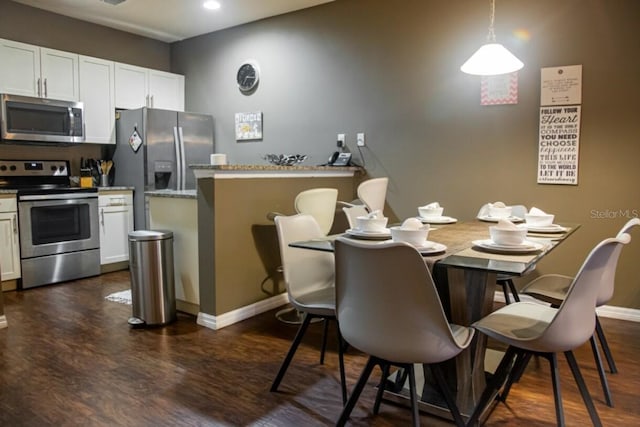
<point x="285" y="159"/>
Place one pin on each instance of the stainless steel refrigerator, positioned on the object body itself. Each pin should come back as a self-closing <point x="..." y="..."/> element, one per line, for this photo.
<point x="154" y="149"/>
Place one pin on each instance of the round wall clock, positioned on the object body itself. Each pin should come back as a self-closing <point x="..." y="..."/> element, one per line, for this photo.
<point x="248" y="75"/>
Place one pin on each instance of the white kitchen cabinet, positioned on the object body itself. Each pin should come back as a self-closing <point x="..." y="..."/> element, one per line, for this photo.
<point x="116" y="221"/>
<point x="138" y="87"/>
<point x="9" y="243"/>
<point x="97" y="92"/>
<point x="30" y="70"/>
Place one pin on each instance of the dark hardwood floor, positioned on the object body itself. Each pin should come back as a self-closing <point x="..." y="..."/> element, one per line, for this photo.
<point x="69" y="358"/>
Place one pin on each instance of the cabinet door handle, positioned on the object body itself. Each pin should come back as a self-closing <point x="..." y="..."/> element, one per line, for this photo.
<point x="38" y="91"/>
<point x="102" y="217"/>
<point x="45" y="87"/>
<point x="15" y="224"/>
<point x="151" y="101"/>
<point x="146" y="101"/>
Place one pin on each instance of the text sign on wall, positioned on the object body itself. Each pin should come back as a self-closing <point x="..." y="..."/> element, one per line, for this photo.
<point x="561" y="85"/>
<point x="558" y="145"/>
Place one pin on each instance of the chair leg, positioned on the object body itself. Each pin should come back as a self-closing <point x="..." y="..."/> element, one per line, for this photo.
<point x="601" y="372"/>
<point x="357" y="390"/>
<point x="343" y="379"/>
<point x="415" y="414"/>
<point x="493" y="385"/>
<point x="503" y="283"/>
<point x="586" y="397"/>
<point x="512" y="288"/>
<point x="557" y="393"/>
<point x="446" y="393"/>
<point x="324" y="340"/>
<point x="522" y="360"/>
<point x="605" y="347"/>
<point x="292" y="350"/>
<point x="381" y="387"/>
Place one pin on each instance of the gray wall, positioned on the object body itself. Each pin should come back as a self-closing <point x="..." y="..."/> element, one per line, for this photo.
<point x="392" y="71"/>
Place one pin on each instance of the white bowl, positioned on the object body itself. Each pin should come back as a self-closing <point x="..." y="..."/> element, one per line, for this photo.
<point x="430" y="212"/>
<point x="364" y="223"/>
<point x="496" y="212"/>
<point x="507" y="236"/>
<point x="413" y="237"/>
<point x="539" y="220"/>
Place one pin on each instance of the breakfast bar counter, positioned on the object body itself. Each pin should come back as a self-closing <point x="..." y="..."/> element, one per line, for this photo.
<point x="237" y="245"/>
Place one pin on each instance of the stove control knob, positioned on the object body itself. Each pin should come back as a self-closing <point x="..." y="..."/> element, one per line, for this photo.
<point x="12" y="167"/>
<point x="54" y="168"/>
<point x="3" y="168"/>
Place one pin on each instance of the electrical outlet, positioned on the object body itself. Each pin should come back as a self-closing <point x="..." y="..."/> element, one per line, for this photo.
<point x="360" y="139"/>
<point x="341" y="140"/>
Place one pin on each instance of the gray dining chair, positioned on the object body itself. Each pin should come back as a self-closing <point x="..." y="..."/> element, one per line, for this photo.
<point x="388" y="307"/>
<point x="553" y="290"/>
<point x="533" y="329"/>
<point x="309" y="279"/>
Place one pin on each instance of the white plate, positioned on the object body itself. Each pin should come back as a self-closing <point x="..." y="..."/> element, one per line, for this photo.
<point x="553" y="228"/>
<point x="527" y="246"/>
<point x="437" y="220"/>
<point x="494" y="219"/>
<point x="430" y="248"/>
<point x="371" y="235"/>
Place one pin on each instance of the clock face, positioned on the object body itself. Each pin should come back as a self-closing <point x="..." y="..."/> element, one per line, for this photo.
<point x="248" y="76"/>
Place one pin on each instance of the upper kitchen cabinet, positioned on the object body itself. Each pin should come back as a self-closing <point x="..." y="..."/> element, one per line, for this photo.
<point x="97" y="92"/>
<point x="138" y="87"/>
<point x="30" y="70"/>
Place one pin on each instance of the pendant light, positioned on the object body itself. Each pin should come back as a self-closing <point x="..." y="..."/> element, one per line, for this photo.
<point x="492" y="58"/>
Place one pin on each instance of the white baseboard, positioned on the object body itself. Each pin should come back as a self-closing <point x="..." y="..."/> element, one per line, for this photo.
<point x="608" y="311"/>
<point x="216" y="322"/>
<point x="3" y="322"/>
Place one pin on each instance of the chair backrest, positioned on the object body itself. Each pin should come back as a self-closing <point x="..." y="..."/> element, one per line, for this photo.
<point x="629" y="225"/>
<point x="373" y="193"/>
<point x="304" y="270"/>
<point x="319" y="203"/>
<point x="574" y="320"/>
<point x="352" y="212"/>
<point x="387" y="304"/>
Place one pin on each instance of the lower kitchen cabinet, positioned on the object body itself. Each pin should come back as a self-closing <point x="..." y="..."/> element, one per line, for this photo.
<point x="9" y="239"/>
<point x="116" y="221"/>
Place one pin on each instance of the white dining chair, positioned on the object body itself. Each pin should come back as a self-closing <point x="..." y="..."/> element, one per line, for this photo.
<point x="309" y="279"/>
<point x="388" y="307"/>
<point x="353" y="212"/>
<point x="373" y="193"/>
<point x="534" y="329"/>
<point x="553" y="289"/>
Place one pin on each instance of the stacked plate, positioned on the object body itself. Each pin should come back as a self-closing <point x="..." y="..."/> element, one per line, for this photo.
<point x="524" y="247"/>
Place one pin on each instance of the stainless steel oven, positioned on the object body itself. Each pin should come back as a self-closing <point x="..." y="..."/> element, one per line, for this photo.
<point x="59" y="236"/>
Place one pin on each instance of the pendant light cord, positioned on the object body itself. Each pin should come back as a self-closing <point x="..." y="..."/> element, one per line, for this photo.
<point x="491" y="37"/>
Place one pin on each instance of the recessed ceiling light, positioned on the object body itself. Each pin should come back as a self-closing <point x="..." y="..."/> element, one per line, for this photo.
<point x="212" y="5"/>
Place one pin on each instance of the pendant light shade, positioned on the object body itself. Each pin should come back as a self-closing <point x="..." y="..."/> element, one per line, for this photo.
<point x="492" y="58"/>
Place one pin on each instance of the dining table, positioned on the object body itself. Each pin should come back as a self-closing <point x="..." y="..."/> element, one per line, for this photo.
<point x="464" y="268"/>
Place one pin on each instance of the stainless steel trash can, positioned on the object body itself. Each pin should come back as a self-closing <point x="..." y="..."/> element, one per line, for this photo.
<point x="153" y="297"/>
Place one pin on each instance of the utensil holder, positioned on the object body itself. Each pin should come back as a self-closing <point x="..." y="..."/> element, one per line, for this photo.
<point x="104" y="180"/>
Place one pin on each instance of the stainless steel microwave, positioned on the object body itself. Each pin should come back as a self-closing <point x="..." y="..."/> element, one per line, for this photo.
<point x="26" y="118"/>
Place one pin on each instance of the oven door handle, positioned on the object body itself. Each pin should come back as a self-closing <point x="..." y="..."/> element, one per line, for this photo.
<point x="62" y="196"/>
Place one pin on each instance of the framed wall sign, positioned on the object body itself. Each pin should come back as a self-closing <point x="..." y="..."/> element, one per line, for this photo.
<point x="249" y="126"/>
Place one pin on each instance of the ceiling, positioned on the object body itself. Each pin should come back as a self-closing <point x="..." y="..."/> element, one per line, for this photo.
<point x="170" y="20"/>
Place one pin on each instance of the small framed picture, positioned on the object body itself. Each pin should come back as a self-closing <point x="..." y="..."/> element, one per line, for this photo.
<point x="249" y="126"/>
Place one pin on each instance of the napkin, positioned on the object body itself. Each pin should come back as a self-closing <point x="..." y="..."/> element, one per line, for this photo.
<point x="411" y="224"/>
<point x="497" y="205"/>
<point x="536" y="211"/>
<point x="375" y="214"/>
<point x="433" y="205"/>
<point x="505" y="224"/>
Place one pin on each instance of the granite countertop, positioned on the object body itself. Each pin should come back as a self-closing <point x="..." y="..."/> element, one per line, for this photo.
<point x="178" y="194"/>
<point x="269" y="167"/>
<point x="116" y="188"/>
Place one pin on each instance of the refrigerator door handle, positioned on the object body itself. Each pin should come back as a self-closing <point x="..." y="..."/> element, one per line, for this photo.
<point x="176" y="145"/>
<point x="183" y="159"/>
